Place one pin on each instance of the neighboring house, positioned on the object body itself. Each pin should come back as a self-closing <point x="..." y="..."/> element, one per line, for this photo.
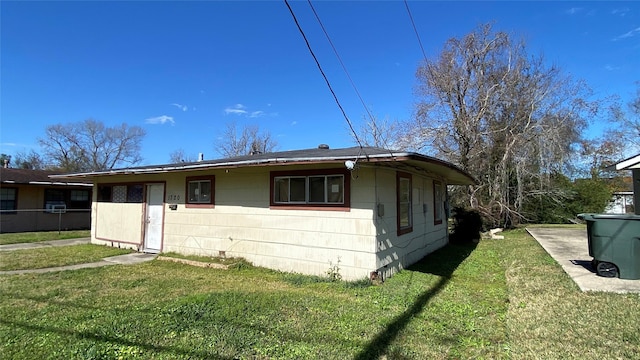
<point x="31" y="201"/>
<point x="633" y="164"/>
<point x="621" y="203"/>
<point x="363" y="209"/>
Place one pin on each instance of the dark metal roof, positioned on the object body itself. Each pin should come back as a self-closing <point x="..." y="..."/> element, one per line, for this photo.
<point x="34" y="177"/>
<point x="453" y="174"/>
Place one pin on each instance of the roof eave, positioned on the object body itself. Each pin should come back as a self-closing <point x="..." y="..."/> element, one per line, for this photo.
<point x="460" y="177"/>
<point x="626" y="164"/>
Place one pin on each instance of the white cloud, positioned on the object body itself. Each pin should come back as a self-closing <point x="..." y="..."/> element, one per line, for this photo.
<point x="181" y="107"/>
<point x="237" y="109"/>
<point x="241" y="110"/>
<point x="234" y="111"/>
<point x="573" y="10"/>
<point x="160" y="120"/>
<point x="610" y="67"/>
<point x="620" y="12"/>
<point x="629" y="34"/>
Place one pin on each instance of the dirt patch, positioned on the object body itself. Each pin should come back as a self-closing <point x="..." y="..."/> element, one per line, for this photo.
<point x="201" y="264"/>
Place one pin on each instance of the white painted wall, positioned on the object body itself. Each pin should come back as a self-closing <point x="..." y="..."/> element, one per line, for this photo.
<point x="394" y="252"/>
<point x="304" y="241"/>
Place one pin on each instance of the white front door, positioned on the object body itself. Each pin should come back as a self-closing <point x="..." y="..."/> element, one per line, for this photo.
<point x="154" y="217"/>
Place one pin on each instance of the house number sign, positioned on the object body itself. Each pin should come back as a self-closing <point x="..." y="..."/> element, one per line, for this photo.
<point x="173" y="197"/>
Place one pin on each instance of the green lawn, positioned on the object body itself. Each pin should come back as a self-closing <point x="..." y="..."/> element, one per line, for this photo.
<point x="500" y="299"/>
<point x="28" y="237"/>
<point x="55" y="256"/>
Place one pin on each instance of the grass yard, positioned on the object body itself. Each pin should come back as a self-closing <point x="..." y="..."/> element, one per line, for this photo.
<point x="501" y="299"/>
<point x="56" y="256"/>
<point x="28" y="237"/>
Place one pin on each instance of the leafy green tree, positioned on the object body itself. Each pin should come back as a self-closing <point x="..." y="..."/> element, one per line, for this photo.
<point x="3" y="158"/>
<point x="591" y="196"/>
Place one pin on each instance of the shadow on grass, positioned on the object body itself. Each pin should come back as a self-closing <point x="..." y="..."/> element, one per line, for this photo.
<point x="441" y="263"/>
<point x="113" y="340"/>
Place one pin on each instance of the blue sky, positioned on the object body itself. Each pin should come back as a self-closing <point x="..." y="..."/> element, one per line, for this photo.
<point x="183" y="70"/>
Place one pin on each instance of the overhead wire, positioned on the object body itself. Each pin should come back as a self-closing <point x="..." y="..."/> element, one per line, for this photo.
<point x="326" y="79"/>
<point x="335" y="51"/>
<point x="415" y="29"/>
<point x="344" y="68"/>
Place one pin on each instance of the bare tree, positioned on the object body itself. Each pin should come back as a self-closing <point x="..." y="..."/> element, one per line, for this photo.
<point x="626" y="124"/>
<point x="90" y="145"/>
<point x="386" y="134"/>
<point x="501" y="115"/>
<point x="181" y="155"/>
<point x="31" y="160"/>
<point x="245" y="141"/>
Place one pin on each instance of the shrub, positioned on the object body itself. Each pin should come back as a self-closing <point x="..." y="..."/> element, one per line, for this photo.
<point x="467" y="225"/>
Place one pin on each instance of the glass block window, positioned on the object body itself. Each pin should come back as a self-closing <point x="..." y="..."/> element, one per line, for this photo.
<point x="119" y="194"/>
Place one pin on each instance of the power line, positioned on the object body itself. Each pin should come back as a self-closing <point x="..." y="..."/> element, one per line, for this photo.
<point x="340" y="60"/>
<point x="335" y="97"/>
<point x="424" y="54"/>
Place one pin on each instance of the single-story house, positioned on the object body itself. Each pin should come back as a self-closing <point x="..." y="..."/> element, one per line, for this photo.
<point x="633" y="164"/>
<point x="621" y="203"/>
<point x="363" y="209"/>
<point x="31" y="201"/>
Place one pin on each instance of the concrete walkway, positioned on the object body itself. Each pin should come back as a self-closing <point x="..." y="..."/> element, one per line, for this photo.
<point x="569" y="247"/>
<point x="41" y="244"/>
<point x="128" y="259"/>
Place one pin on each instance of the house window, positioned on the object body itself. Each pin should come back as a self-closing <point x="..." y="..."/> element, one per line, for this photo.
<point x="104" y="193"/>
<point x="80" y="199"/>
<point x="310" y="189"/>
<point x="119" y="194"/>
<point x="135" y="193"/>
<point x="54" y="197"/>
<point x="200" y="191"/>
<point x="125" y="193"/>
<point x="438" y="202"/>
<point x="404" y="215"/>
<point x="79" y="195"/>
<point x="8" y="203"/>
<point x="71" y="199"/>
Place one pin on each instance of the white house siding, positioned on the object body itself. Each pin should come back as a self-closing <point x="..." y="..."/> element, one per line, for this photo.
<point x="242" y="224"/>
<point x="394" y="252"/>
<point x="621" y="203"/>
<point x="117" y="224"/>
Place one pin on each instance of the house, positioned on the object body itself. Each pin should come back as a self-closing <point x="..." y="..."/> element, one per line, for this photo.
<point x="633" y="164"/>
<point x="621" y="203"/>
<point x="622" y="197"/>
<point x="31" y="201"/>
<point x="363" y="209"/>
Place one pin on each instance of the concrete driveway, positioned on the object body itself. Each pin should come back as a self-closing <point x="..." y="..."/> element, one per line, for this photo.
<point x="569" y="247"/>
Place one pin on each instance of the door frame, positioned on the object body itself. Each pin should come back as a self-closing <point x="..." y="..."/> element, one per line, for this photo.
<point x="147" y="186"/>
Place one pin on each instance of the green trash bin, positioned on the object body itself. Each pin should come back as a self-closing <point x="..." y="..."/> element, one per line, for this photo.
<point x="614" y="244"/>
